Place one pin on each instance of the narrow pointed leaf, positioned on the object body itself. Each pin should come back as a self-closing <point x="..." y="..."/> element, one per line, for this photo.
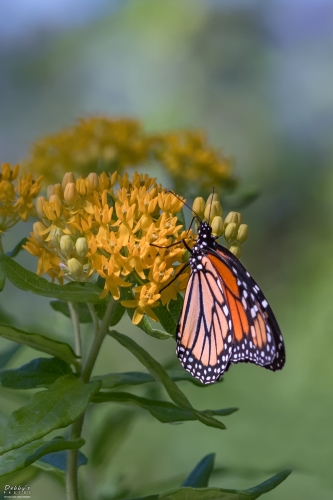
<point x="158" y="372"/>
<point x="48" y="410"/>
<point x="56" y="461"/>
<point x="28" y="281"/>
<point x="40" y="343"/>
<point x="8" y="354"/>
<point x="220" y="493"/>
<point x="199" y="477"/>
<point x="39" y="372"/>
<point x="162" y="410"/>
<point x="112" y="380"/>
<point x="17" y="248"/>
<point x="26" y="455"/>
<point x="169" y="317"/>
<point x="155" y="368"/>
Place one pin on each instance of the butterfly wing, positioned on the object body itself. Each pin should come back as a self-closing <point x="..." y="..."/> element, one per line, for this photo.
<point x="204" y="333"/>
<point x="257" y="336"/>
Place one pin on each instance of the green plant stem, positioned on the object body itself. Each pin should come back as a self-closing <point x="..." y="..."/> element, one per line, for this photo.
<point x="98" y="340"/>
<point x="77" y="333"/>
<point x="76" y="429"/>
<point x="94" y="316"/>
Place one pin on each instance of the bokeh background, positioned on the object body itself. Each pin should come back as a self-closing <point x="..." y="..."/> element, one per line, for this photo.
<point x="256" y="76"/>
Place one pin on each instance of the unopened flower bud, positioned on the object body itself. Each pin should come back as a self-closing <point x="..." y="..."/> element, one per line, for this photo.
<point x="230" y="232"/>
<point x="76" y="269"/>
<point x="93" y="182"/>
<point x="198" y="207"/>
<point x="242" y="234"/>
<point x="81" y="187"/>
<point x="39" y="206"/>
<point x="54" y="198"/>
<point x="233" y="217"/>
<point x="213" y="196"/>
<point x="50" y="190"/>
<point x="68" y="177"/>
<point x="213" y="210"/>
<point x="217" y="226"/>
<point x="58" y="190"/>
<point x="70" y="194"/>
<point x="55" y="235"/>
<point x="38" y="229"/>
<point x="236" y="250"/>
<point x="81" y="247"/>
<point x="66" y="245"/>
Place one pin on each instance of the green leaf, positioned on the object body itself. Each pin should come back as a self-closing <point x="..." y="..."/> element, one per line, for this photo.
<point x="110" y="434"/>
<point x="22" y="457"/>
<point x="199" y="477"/>
<point x="37" y="373"/>
<point x="84" y="313"/>
<point x="48" y="410"/>
<point x="40" y="343"/>
<point x="8" y="354"/>
<point x="221" y="494"/>
<point x="28" y="281"/>
<point x="112" y="380"/>
<point x="57" y="461"/>
<point x="145" y="325"/>
<point x="2" y="280"/>
<point x="169" y="317"/>
<point x="181" y="218"/>
<point x="161" y="375"/>
<point x="17" y="248"/>
<point x="163" y="411"/>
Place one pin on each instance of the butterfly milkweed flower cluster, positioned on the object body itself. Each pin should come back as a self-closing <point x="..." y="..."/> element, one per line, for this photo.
<point x="17" y="194"/>
<point x="108" y="225"/>
<point x="105" y="144"/>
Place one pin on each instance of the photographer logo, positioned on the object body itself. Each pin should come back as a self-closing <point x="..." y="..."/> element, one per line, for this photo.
<point x="17" y="491"/>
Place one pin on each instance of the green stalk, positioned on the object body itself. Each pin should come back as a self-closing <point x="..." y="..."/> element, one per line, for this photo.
<point x="100" y="332"/>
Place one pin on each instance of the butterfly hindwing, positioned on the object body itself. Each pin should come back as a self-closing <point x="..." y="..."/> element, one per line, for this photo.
<point x="262" y="342"/>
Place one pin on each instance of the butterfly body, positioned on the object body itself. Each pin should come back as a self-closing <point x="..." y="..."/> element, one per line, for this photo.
<point x="226" y="319"/>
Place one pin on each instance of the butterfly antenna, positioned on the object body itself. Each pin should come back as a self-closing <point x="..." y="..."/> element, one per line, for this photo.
<point x="211" y="203"/>
<point x="186" y="205"/>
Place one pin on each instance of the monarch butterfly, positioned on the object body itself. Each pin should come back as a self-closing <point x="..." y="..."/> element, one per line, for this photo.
<point x="225" y="318"/>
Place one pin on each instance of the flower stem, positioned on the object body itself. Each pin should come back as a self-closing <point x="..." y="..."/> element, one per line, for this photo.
<point x="73" y="309"/>
<point x="100" y="332"/>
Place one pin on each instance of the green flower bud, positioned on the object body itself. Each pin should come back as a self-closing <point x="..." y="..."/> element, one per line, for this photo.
<point x="198" y="207"/>
<point x="242" y="234"/>
<point x="55" y="235"/>
<point x="66" y="245"/>
<point x="81" y="247"/>
<point x="213" y="210"/>
<point x="233" y="217"/>
<point x="217" y="226"/>
<point x="75" y="269"/>
<point x="236" y="250"/>
<point x="215" y="197"/>
<point x="230" y="232"/>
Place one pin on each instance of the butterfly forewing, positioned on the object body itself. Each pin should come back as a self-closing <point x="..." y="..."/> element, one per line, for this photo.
<point x="204" y="340"/>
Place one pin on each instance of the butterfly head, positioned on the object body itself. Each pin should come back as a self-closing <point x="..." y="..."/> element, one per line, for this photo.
<point x="205" y="237"/>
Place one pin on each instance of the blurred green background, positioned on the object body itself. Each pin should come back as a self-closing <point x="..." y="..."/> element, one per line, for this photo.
<point x="256" y="76"/>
